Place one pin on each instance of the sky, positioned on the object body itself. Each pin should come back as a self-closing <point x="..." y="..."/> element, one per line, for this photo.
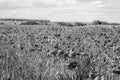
<point x="62" y="10"/>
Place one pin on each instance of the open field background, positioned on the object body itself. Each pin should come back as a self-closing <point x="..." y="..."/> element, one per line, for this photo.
<point x="52" y="52"/>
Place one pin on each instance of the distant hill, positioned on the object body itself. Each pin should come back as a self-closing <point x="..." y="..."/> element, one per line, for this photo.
<point x="98" y="22"/>
<point x="48" y="22"/>
<point x="13" y="19"/>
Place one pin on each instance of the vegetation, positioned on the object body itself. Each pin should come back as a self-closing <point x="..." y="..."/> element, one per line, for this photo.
<point x="34" y="23"/>
<point x="1" y="23"/>
<point x="58" y="52"/>
<point x="29" y="23"/>
<point x="98" y="22"/>
<point x="80" y="24"/>
<point x="65" y="24"/>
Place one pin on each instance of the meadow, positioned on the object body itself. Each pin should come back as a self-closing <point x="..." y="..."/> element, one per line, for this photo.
<point x="55" y="52"/>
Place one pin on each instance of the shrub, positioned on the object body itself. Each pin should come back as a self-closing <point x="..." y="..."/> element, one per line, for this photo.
<point x="114" y="24"/>
<point x="65" y="24"/>
<point x="2" y="23"/>
<point x="80" y="24"/>
<point x="97" y="22"/>
<point x="29" y="23"/>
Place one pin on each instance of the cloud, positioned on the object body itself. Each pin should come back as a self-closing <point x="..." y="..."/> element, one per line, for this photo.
<point x="61" y="10"/>
<point x="18" y="4"/>
<point x="7" y="5"/>
<point x="53" y="3"/>
<point x="110" y="6"/>
<point x="13" y="4"/>
<point x="85" y="0"/>
<point x="97" y="2"/>
<point x="44" y="3"/>
<point x="21" y="4"/>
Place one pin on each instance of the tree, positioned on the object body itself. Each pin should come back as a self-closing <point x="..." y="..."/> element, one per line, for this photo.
<point x="80" y="24"/>
<point x="29" y="23"/>
<point x="98" y="22"/>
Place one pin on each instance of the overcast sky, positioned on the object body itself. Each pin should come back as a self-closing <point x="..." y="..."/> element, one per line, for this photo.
<point x="62" y="10"/>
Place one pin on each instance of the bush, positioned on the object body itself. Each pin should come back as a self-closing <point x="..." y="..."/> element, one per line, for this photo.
<point x="2" y="23"/>
<point x="97" y="22"/>
<point x="29" y="23"/>
<point x="62" y="23"/>
<point x="80" y="24"/>
<point x="114" y="23"/>
<point x="65" y="24"/>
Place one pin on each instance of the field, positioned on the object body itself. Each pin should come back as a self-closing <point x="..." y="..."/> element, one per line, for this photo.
<point x="49" y="52"/>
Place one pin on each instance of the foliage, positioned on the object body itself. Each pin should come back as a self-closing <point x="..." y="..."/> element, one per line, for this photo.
<point x="98" y="22"/>
<point x="29" y="23"/>
<point x="2" y="23"/>
<point x="80" y="24"/>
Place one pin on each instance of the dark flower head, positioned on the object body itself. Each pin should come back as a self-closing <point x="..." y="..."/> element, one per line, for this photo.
<point x="72" y="65"/>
